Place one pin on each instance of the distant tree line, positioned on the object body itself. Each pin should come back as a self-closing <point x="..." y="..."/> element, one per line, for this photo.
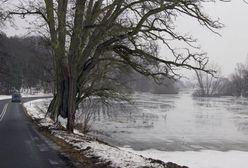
<point x="236" y="85"/>
<point x="25" y="63"/>
<point x="134" y="81"/>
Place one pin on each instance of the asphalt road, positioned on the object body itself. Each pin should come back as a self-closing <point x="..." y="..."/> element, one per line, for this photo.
<point x="21" y="145"/>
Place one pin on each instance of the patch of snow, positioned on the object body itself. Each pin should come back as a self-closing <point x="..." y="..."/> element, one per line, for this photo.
<point x="118" y="157"/>
<point x="36" y="109"/>
<point x="39" y="94"/>
<point x="33" y="92"/>
<point x="75" y="131"/>
<point x="62" y="121"/>
<point x="3" y="97"/>
<point x="199" y="159"/>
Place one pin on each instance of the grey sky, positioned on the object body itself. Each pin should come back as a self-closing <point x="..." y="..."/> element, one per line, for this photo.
<point x="232" y="46"/>
<point x="225" y="51"/>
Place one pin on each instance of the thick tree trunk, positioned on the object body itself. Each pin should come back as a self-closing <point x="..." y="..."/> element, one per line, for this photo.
<point x="72" y="90"/>
<point x="58" y="104"/>
<point x="64" y="102"/>
<point x="53" y="109"/>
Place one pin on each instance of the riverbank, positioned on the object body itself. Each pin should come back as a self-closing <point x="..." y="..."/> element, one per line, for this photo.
<point x="90" y="150"/>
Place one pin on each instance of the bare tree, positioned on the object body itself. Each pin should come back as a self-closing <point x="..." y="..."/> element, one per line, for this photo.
<point x="90" y="38"/>
<point x="4" y="16"/>
<point x="207" y="84"/>
<point x="239" y="80"/>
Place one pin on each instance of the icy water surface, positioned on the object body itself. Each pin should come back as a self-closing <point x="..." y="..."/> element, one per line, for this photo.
<point x="176" y="123"/>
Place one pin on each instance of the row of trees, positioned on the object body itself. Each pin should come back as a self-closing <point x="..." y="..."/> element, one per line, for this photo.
<point x="134" y="81"/>
<point x="91" y="40"/>
<point x="25" y="63"/>
<point x="236" y="85"/>
<point x="239" y="80"/>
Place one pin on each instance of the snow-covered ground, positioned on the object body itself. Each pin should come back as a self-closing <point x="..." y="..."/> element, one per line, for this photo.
<point x="199" y="159"/>
<point x="36" y="109"/>
<point x="91" y="147"/>
<point x="117" y="157"/>
<point x="34" y="93"/>
<point x="3" y="97"/>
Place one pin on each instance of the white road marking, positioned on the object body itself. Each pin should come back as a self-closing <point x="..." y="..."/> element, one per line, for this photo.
<point x="52" y="162"/>
<point x="4" y="111"/>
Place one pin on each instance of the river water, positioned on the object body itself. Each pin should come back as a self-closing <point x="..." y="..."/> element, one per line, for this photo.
<point x="176" y="123"/>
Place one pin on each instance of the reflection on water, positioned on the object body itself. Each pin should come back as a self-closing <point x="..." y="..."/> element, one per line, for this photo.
<point x="176" y="122"/>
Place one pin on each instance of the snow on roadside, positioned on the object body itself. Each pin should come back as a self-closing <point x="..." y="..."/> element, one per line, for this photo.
<point x="40" y="94"/>
<point x="34" y="92"/>
<point x="106" y="153"/>
<point x="91" y="147"/>
<point x="3" y="97"/>
<point x="36" y="109"/>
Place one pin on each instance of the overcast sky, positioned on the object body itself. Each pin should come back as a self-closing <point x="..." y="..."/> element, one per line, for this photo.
<point x="226" y="51"/>
<point x="232" y="47"/>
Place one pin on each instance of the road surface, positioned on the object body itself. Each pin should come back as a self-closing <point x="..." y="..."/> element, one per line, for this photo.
<point x="21" y="145"/>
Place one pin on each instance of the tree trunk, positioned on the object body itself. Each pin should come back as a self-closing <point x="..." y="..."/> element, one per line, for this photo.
<point x="72" y="90"/>
<point x="57" y="106"/>
<point x="53" y="109"/>
<point x="64" y="102"/>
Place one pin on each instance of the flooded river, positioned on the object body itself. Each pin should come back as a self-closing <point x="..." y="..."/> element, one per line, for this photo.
<point x="176" y="123"/>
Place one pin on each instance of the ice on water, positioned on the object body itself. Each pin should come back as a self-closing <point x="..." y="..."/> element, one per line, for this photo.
<point x="178" y="122"/>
